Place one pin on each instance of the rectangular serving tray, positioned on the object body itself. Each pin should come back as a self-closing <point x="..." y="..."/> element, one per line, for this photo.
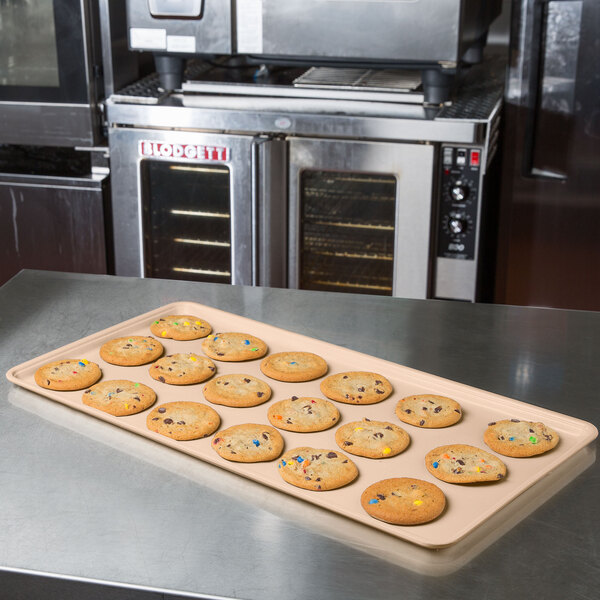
<point x="468" y="506"/>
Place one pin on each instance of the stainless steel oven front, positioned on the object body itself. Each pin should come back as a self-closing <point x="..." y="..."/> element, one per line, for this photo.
<point x="308" y="213"/>
<point x="360" y="216"/>
<point x="197" y="211"/>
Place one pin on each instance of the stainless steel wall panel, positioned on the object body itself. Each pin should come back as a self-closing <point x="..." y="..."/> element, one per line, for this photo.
<point x="47" y="124"/>
<point x="52" y="223"/>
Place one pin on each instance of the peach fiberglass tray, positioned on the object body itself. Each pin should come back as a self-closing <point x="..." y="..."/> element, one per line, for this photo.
<point x="468" y="506"/>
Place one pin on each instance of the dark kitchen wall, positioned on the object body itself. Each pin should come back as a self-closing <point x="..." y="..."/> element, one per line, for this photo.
<point x="549" y="234"/>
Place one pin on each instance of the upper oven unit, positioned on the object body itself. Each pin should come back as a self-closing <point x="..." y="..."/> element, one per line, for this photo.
<point x="434" y="36"/>
<point x="58" y="60"/>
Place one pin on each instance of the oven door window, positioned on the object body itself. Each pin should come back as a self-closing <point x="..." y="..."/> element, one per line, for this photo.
<point x="42" y="52"/>
<point x="347" y="231"/>
<point x="187" y="221"/>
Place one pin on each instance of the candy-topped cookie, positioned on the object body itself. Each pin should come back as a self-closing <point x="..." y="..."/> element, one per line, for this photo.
<point x="183" y="420"/>
<point x="372" y="439"/>
<point x="356" y="387"/>
<point x="68" y="374"/>
<point x="460" y="463"/>
<point x="180" y="327"/>
<point x="249" y="442"/>
<point x="131" y="351"/>
<point x="234" y="347"/>
<point x="237" y="390"/>
<point x="519" y="439"/>
<point x="303" y="415"/>
<point x="294" y="366"/>
<point x="428" y="410"/>
<point x="119" y="397"/>
<point x="403" y="501"/>
<point x="182" y="369"/>
<point x="316" y="469"/>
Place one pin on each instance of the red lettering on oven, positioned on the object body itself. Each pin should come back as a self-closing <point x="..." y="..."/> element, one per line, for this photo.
<point x="188" y="151"/>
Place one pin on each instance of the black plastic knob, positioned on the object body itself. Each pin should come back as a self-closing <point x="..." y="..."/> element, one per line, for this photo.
<point x="459" y="191"/>
<point x="456" y="225"/>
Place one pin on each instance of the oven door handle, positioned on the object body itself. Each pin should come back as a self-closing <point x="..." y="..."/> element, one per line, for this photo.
<point x="269" y="211"/>
<point x="255" y="184"/>
<point x="549" y="19"/>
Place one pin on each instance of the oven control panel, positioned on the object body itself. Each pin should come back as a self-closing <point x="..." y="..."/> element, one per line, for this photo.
<point x="457" y="223"/>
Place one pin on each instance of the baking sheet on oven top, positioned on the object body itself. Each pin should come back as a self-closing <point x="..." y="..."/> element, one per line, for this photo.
<point x="468" y="506"/>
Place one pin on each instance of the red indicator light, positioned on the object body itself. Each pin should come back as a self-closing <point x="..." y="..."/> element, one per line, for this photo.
<point x="475" y="154"/>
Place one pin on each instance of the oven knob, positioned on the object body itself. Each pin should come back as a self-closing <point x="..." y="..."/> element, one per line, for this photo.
<point x="459" y="191"/>
<point x="458" y="224"/>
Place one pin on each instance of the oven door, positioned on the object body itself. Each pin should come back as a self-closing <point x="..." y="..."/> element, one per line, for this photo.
<point x="47" y="79"/>
<point x="360" y="216"/>
<point x="186" y="205"/>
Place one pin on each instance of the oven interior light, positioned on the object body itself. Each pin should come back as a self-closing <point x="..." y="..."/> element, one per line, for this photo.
<point x="356" y="225"/>
<point x="365" y="286"/>
<point x="201" y="242"/>
<point x="199" y="213"/>
<point x="353" y="255"/>
<point x="198" y="169"/>
<point x="202" y="271"/>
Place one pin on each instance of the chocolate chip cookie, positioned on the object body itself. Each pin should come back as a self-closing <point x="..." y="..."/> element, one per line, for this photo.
<point x="68" y="374"/>
<point x="460" y="463"/>
<point x="183" y="420"/>
<point x="234" y="347"/>
<point x="428" y="410"/>
<point x="180" y="327"/>
<point x="182" y="369"/>
<point x="294" y="366"/>
<point x="303" y="414"/>
<point x="249" y="442"/>
<point x="316" y="469"/>
<point x="403" y="501"/>
<point x="356" y="387"/>
<point x="237" y="390"/>
<point x="119" y="397"/>
<point x="520" y="439"/>
<point x="372" y="439"/>
<point x="131" y="351"/>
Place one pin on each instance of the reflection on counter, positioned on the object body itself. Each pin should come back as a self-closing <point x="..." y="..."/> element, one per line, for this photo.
<point x="279" y="509"/>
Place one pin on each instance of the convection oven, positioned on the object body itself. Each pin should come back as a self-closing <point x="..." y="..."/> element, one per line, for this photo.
<point x="337" y="188"/>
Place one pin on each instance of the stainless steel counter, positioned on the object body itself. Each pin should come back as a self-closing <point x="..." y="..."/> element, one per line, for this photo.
<point x="87" y="511"/>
